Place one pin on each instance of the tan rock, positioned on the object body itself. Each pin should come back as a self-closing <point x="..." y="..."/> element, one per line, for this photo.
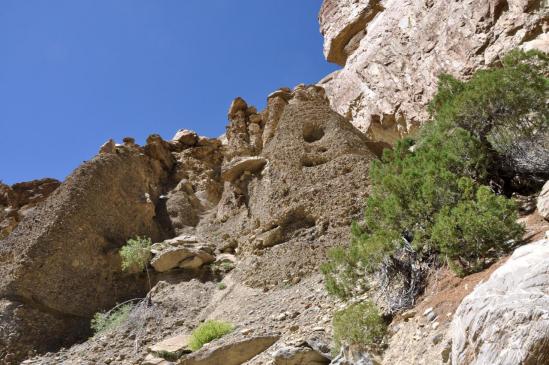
<point x="183" y="252"/>
<point x="186" y="137"/>
<point x="237" y="105"/>
<point x="151" y="359"/>
<point x="173" y="346"/>
<point x="238" y="166"/>
<point x="230" y="352"/>
<point x="543" y="201"/>
<point x="108" y="147"/>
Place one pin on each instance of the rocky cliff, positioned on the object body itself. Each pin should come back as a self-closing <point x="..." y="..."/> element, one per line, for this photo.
<point x="391" y="52"/>
<point x="241" y="223"/>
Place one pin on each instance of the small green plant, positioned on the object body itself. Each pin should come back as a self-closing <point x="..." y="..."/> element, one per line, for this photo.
<point x="359" y="324"/>
<point x="104" y="321"/>
<point x="136" y="254"/>
<point x="221" y="286"/>
<point x="207" y="332"/>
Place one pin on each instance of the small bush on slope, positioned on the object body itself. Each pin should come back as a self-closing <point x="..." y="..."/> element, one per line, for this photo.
<point x="136" y="254"/>
<point x="207" y="332"/>
<point x="108" y="320"/>
<point x="359" y="324"/>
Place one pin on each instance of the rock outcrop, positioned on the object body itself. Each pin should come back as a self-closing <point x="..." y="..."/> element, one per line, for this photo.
<point x="61" y="265"/>
<point x="294" y="188"/>
<point x="505" y="319"/>
<point x="393" y="50"/>
<point x="231" y="351"/>
<point x="18" y="200"/>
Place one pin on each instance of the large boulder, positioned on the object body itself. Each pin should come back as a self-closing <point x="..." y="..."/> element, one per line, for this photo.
<point x="505" y="319"/>
<point x="233" y="350"/>
<point x="393" y="51"/>
<point x="61" y="264"/>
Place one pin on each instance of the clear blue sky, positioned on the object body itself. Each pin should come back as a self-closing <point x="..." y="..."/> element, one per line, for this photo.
<point x="74" y="73"/>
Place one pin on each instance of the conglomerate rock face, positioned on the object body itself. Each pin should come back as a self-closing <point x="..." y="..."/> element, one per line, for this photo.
<point x="271" y="198"/>
<point x="61" y="263"/>
<point x="393" y="50"/>
<point x="18" y="200"/>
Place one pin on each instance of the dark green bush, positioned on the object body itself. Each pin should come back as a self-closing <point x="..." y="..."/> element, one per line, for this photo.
<point x="428" y="201"/>
<point x="475" y="230"/>
<point x="359" y="324"/>
<point x="505" y="108"/>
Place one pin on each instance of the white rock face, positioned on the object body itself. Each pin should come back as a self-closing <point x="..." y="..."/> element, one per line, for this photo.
<point x="393" y="50"/>
<point x="506" y="319"/>
<point x="543" y="201"/>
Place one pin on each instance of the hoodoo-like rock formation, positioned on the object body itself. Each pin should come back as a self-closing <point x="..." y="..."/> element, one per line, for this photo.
<point x="393" y="50"/>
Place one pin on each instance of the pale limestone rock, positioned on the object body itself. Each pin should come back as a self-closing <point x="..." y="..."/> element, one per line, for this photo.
<point x="233" y="351"/>
<point x="543" y="201"/>
<point x="393" y="51"/>
<point x="186" y="137"/>
<point x="173" y="346"/>
<point x="154" y="360"/>
<point x="505" y="320"/>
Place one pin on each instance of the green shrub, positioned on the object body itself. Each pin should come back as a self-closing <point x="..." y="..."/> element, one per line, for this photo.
<point x="359" y="324"/>
<point x="505" y="108"/>
<point x="207" y="332"/>
<point x="136" y="254"/>
<point x="475" y="230"/>
<point x="427" y="199"/>
<point x="104" y="321"/>
<point x="221" y="286"/>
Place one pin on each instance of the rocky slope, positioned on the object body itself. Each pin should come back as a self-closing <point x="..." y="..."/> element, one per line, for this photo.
<point x="240" y="224"/>
<point x="393" y="50"/>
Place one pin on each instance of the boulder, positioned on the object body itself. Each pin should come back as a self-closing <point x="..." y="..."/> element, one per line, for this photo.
<point x="353" y="355"/>
<point x="108" y="147"/>
<point x="186" y="137"/>
<point x="151" y="359"/>
<point x="505" y="320"/>
<point x="172" y="347"/>
<point x="543" y="201"/>
<point x="159" y="149"/>
<point x="311" y="352"/>
<point x="231" y="351"/>
<point x="237" y="166"/>
<point x="179" y="252"/>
